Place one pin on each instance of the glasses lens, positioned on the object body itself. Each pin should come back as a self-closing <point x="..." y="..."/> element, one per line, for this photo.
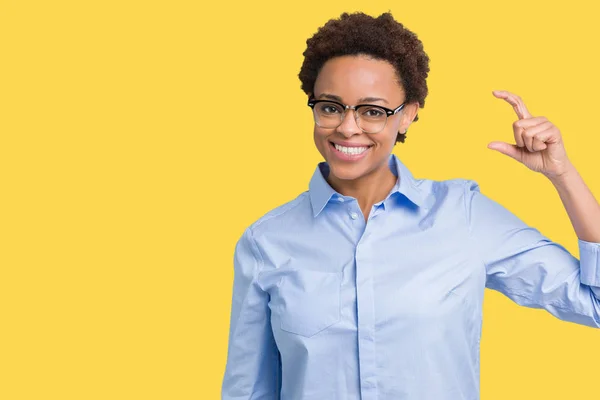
<point x="328" y="115"/>
<point x="371" y="119"/>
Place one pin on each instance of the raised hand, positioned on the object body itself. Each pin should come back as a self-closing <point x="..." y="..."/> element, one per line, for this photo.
<point x="539" y="145"/>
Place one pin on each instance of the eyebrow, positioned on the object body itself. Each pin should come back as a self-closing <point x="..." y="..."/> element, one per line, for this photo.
<point x="361" y="100"/>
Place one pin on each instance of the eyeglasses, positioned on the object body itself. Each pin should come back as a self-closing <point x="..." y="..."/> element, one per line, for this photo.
<point x="369" y="117"/>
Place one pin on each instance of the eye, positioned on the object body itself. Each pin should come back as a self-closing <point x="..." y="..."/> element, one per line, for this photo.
<point x="373" y="112"/>
<point x="329" y="108"/>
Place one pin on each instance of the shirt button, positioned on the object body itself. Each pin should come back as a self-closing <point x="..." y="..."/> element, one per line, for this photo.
<point x="340" y="199"/>
<point x="353" y="215"/>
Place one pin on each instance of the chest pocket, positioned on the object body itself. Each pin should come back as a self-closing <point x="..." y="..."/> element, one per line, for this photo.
<point x="309" y="301"/>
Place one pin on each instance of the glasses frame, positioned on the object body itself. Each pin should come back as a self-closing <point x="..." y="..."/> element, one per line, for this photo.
<point x="389" y="112"/>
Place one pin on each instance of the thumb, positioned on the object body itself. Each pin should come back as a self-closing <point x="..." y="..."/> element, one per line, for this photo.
<point x="508" y="149"/>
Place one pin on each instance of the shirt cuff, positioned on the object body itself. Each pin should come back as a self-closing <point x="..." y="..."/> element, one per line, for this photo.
<point x="589" y="263"/>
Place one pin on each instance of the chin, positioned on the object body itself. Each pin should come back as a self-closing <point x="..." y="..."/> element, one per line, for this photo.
<point x="347" y="172"/>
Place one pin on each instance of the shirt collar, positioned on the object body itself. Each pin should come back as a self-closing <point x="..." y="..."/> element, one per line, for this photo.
<point x="321" y="192"/>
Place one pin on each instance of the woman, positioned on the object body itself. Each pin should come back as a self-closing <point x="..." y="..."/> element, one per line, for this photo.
<point x="370" y="284"/>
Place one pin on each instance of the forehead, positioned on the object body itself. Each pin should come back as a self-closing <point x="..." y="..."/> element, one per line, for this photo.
<point x="353" y="77"/>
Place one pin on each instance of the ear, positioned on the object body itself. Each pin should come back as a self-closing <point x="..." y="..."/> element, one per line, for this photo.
<point x="409" y="113"/>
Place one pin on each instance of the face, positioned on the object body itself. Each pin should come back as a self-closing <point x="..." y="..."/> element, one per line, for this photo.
<point x="351" y="79"/>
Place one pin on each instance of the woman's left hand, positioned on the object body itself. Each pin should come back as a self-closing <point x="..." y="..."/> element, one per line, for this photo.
<point x="539" y="143"/>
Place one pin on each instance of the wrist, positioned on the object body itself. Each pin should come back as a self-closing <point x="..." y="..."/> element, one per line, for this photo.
<point x="567" y="175"/>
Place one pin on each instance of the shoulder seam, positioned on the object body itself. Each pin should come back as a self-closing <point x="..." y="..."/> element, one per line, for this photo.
<point x="257" y="254"/>
<point x="465" y="194"/>
<point x="467" y="183"/>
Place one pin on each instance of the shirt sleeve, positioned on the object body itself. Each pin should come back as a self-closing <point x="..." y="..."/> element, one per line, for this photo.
<point x="253" y="365"/>
<point x="531" y="269"/>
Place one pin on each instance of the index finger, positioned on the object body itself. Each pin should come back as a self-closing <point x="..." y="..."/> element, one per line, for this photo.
<point x="514" y="101"/>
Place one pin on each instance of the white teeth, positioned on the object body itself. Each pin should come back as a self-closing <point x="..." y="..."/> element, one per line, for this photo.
<point x="351" y="150"/>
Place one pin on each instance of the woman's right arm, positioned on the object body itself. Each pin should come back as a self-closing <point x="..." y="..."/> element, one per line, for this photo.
<point x="253" y="368"/>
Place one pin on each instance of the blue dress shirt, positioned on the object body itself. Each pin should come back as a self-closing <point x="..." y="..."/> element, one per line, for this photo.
<point x="328" y="307"/>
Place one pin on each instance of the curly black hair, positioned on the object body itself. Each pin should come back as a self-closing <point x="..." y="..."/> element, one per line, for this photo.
<point x="381" y="38"/>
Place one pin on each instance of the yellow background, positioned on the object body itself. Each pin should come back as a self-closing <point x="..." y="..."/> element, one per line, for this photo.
<point x="134" y="151"/>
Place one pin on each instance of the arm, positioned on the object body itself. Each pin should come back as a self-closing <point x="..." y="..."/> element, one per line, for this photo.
<point x="584" y="213"/>
<point x="580" y="204"/>
<point x="528" y="267"/>
<point x="253" y="367"/>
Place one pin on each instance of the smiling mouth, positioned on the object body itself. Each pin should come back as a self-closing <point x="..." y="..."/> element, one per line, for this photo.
<point x="350" y="151"/>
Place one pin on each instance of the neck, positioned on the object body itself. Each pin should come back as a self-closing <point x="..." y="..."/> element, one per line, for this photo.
<point x="368" y="189"/>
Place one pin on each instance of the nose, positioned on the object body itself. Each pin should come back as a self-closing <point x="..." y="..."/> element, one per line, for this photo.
<point x="349" y="127"/>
